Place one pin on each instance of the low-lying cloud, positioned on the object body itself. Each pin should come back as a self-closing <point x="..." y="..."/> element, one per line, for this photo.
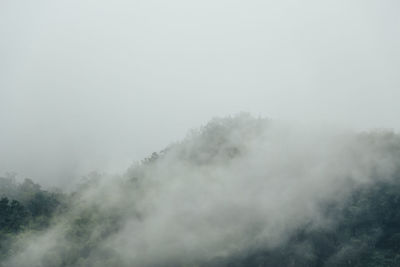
<point x="237" y="184"/>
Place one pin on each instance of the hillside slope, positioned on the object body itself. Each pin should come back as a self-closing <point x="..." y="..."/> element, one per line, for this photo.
<point x="239" y="191"/>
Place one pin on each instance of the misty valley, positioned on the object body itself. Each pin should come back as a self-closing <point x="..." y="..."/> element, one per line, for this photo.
<point x="238" y="191"/>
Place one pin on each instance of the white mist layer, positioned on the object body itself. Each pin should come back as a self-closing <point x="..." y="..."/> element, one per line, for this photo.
<point x="236" y="184"/>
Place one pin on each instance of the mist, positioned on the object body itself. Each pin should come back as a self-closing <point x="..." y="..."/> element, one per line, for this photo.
<point x="96" y="85"/>
<point x="210" y="133"/>
<point x="235" y="185"/>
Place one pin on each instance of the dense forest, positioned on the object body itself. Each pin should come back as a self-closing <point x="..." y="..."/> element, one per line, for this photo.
<point x="237" y="192"/>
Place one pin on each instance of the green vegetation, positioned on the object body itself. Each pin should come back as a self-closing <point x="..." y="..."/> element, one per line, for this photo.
<point x="366" y="231"/>
<point x="24" y="207"/>
<point x="360" y="228"/>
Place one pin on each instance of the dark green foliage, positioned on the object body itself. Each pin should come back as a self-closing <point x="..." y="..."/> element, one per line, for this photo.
<point x="12" y="215"/>
<point x="367" y="233"/>
<point x="24" y="207"/>
<point x="363" y="230"/>
<point x="43" y="204"/>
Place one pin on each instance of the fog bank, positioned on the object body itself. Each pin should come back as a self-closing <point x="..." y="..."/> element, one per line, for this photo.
<point x="95" y="85"/>
<point x="237" y="184"/>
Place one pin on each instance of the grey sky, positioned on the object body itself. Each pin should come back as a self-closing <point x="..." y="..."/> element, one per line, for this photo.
<point x="98" y="84"/>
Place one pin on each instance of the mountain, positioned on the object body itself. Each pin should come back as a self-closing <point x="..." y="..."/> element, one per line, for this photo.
<point x="238" y="191"/>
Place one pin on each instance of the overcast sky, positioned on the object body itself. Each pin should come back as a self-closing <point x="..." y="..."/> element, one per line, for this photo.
<point x="96" y="85"/>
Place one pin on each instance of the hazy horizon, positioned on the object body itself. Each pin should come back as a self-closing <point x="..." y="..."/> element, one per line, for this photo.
<point x="97" y="85"/>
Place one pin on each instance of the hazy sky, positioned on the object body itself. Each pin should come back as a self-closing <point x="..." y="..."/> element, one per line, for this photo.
<point x="90" y="85"/>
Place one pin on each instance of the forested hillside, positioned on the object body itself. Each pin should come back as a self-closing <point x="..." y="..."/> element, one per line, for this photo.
<point x="239" y="191"/>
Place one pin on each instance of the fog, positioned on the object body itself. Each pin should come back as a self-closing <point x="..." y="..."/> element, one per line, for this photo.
<point x="96" y="85"/>
<point x="236" y="185"/>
